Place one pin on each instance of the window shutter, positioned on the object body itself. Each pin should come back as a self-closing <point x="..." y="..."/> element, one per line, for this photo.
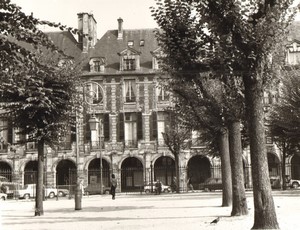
<point x="73" y="131"/>
<point x="87" y="133"/>
<point x="121" y="127"/>
<point x="154" y="126"/>
<point x="106" y="126"/>
<point x="9" y="132"/>
<point x="139" y="126"/>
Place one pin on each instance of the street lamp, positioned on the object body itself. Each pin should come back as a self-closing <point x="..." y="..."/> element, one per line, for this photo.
<point x="78" y="190"/>
<point x="94" y="122"/>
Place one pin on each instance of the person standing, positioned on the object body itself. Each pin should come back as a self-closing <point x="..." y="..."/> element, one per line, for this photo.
<point x="190" y="185"/>
<point x="113" y="186"/>
<point x="158" y="187"/>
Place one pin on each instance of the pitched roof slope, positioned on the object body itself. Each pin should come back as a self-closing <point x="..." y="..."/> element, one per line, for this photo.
<point x="109" y="46"/>
<point x="65" y="41"/>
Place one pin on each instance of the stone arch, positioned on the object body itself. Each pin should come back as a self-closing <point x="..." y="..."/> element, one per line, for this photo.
<point x="30" y="172"/>
<point x="6" y="170"/>
<point x="66" y="172"/>
<point x="164" y="169"/>
<point x="94" y="173"/>
<point x="199" y="169"/>
<point x="132" y="172"/>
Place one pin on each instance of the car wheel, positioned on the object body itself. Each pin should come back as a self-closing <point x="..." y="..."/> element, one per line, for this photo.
<point x="166" y="190"/>
<point x="147" y="191"/>
<point x="51" y="195"/>
<point x="60" y="193"/>
<point x="295" y="185"/>
<point x="2" y="198"/>
<point x="26" y="196"/>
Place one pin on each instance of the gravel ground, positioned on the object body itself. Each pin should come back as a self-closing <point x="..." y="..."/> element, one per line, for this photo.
<point x="165" y="211"/>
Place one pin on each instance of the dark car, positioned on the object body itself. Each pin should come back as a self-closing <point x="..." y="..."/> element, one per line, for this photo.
<point x="212" y="184"/>
<point x="93" y="189"/>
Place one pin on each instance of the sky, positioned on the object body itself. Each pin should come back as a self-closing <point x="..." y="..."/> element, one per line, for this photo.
<point x="135" y="13"/>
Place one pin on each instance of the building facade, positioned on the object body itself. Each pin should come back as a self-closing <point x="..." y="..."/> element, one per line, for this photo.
<point x="122" y="90"/>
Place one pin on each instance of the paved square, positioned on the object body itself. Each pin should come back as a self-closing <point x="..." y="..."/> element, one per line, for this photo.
<point x="166" y="211"/>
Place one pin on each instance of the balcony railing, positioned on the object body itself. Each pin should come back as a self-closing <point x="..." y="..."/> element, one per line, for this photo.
<point x="131" y="143"/>
<point x="96" y="145"/>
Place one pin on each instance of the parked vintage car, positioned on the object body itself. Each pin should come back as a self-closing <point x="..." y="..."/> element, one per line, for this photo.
<point x="62" y="192"/>
<point x="211" y="184"/>
<point x="3" y="196"/>
<point x="164" y="188"/>
<point x="93" y="189"/>
<point x="29" y="191"/>
<point x="294" y="183"/>
<point x="10" y="187"/>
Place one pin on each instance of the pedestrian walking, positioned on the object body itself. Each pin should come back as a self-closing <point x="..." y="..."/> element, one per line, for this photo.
<point x="113" y="182"/>
<point x="190" y="185"/>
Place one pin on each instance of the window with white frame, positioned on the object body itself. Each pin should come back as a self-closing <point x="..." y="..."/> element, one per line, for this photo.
<point x="129" y="90"/>
<point x="130" y="128"/>
<point x="162" y="93"/>
<point x="129" y="62"/>
<point x="161" y="126"/>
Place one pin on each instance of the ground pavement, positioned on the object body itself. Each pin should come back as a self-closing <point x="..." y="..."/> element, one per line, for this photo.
<point x="166" y="211"/>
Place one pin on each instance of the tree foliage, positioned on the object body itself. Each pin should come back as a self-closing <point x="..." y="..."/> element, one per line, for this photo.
<point x="37" y="94"/>
<point x="238" y="39"/>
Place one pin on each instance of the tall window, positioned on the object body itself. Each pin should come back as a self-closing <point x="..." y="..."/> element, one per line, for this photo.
<point x="130" y="90"/>
<point x="161" y="127"/>
<point x="130" y="129"/>
<point x="162" y="94"/>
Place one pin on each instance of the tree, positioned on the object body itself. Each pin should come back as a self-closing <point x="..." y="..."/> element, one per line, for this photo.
<point x="284" y="119"/>
<point x="240" y="38"/>
<point x="176" y="138"/>
<point x="36" y="94"/>
<point x="190" y="57"/>
<point x="198" y="110"/>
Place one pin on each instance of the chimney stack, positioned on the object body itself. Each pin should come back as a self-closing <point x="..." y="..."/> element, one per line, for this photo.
<point x="87" y="27"/>
<point x="120" y="28"/>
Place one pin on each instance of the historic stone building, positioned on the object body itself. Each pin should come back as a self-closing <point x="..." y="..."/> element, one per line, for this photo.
<point x="122" y="91"/>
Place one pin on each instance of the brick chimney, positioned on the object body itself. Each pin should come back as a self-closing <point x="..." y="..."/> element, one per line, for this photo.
<point x="87" y="26"/>
<point x="120" y="28"/>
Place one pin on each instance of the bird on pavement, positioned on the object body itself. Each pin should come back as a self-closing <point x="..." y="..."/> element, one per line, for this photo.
<point x="215" y="220"/>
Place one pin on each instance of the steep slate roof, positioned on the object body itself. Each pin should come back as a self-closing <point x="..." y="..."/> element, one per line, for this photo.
<point x="109" y="46"/>
<point x="65" y="41"/>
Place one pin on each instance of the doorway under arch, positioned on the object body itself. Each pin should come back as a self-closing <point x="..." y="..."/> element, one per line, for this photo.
<point x="30" y="172"/>
<point x="164" y="170"/>
<point x="198" y="169"/>
<point x="94" y="172"/>
<point x="5" y="170"/>
<point x="66" y="173"/>
<point x="295" y="170"/>
<point x="131" y="175"/>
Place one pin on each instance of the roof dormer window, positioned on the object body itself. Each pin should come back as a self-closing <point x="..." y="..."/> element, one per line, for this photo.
<point x="97" y="64"/>
<point x="129" y="60"/>
<point x="130" y="43"/>
<point x="142" y="42"/>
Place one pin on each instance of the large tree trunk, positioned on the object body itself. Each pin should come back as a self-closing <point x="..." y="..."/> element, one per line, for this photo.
<point x="226" y="168"/>
<point x="239" y="201"/>
<point x="39" y="210"/>
<point x="265" y="215"/>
